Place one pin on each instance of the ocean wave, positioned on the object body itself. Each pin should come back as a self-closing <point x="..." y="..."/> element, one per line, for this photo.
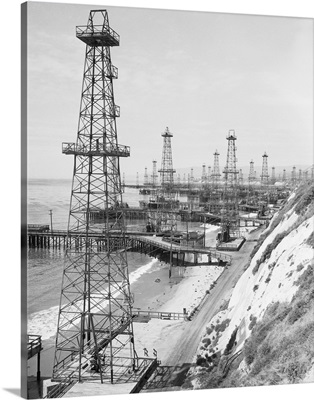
<point x="45" y="322"/>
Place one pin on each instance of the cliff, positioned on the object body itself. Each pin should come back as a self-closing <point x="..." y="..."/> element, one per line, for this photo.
<point x="265" y="334"/>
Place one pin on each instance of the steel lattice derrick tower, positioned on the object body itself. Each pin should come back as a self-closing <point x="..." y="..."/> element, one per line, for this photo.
<point x="284" y="176"/>
<point x="293" y="176"/>
<point x="192" y="175"/>
<point x="300" y="175"/>
<point x="265" y="176"/>
<point x="251" y="172"/>
<point x="146" y="177"/>
<point x="216" y="171"/>
<point x="251" y="180"/>
<point x="230" y="213"/>
<point x="203" y="177"/>
<point x="95" y="328"/>
<point x="162" y="217"/>
<point x="305" y="176"/>
<point x="154" y="174"/>
<point x="264" y="192"/>
<point x="209" y="173"/>
<point x="166" y="171"/>
<point x="273" y="175"/>
<point x="215" y="195"/>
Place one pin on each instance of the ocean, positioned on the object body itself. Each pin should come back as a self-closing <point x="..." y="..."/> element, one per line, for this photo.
<point x="49" y="201"/>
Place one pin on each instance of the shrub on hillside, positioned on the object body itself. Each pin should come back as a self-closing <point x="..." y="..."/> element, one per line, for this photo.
<point x="209" y="330"/>
<point x="268" y="250"/>
<point x="295" y="370"/>
<point x="300" y="267"/>
<point x="310" y="240"/>
<point x="222" y="326"/>
<point x="306" y="280"/>
<point x="306" y="199"/>
<point x="252" y="323"/>
<point x="206" y="342"/>
<point x="299" y="309"/>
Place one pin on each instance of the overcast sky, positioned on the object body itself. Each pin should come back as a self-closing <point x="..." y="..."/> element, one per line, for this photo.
<point x="198" y="73"/>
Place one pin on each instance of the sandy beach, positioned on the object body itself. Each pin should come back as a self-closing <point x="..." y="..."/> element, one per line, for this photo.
<point x="161" y="334"/>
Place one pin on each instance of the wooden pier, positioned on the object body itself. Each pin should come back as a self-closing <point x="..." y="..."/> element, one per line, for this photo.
<point x="156" y="246"/>
<point x="145" y="243"/>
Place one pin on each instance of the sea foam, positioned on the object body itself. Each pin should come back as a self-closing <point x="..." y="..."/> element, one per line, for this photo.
<point x="44" y="322"/>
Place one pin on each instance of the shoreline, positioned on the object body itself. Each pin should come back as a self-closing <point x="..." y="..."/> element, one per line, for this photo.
<point x="187" y="292"/>
<point x="154" y="292"/>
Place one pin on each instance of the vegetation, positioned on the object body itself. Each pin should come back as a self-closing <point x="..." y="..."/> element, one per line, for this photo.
<point x="222" y="326"/>
<point x="303" y="203"/>
<point x="310" y="240"/>
<point x="280" y="348"/>
<point x="268" y="250"/>
<point x="252" y="322"/>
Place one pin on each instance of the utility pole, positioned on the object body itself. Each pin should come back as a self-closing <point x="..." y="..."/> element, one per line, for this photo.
<point x="50" y="213"/>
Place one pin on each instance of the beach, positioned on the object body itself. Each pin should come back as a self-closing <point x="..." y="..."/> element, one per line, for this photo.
<point x="188" y="294"/>
<point x="150" y="285"/>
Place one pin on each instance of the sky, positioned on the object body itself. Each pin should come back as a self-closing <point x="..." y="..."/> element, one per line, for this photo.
<point x="61" y="92"/>
<point x="198" y="73"/>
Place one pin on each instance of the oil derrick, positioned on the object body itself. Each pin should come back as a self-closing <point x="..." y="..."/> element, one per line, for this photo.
<point x="265" y="176"/>
<point x="209" y="173"/>
<point x="192" y="176"/>
<point x="216" y="171"/>
<point x="137" y="180"/>
<point x="293" y="176"/>
<point x="300" y="176"/>
<point x="251" y="200"/>
<point x="154" y="175"/>
<point x="95" y="337"/>
<point x="166" y="171"/>
<point x="251" y="172"/>
<point x="273" y="194"/>
<point x="305" y="176"/>
<point x="215" y="195"/>
<point x="229" y="212"/>
<point x="146" y="183"/>
<point x="273" y="175"/>
<point x="284" y="176"/>
<point x="264" y="192"/>
<point x="161" y="216"/>
<point x="204" y="177"/>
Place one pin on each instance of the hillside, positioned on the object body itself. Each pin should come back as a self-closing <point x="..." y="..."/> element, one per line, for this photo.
<point x="265" y="334"/>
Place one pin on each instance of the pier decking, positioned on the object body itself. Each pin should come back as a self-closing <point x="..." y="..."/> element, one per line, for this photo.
<point x="151" y="244"/>
<point x="147" y="243"/>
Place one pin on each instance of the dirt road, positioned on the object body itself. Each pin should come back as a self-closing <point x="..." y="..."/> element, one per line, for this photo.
<point x="186" y="347"/>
